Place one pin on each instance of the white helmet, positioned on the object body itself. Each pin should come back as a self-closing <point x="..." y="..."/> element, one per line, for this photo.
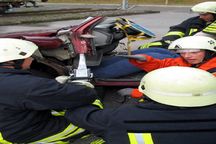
<point x="194" y="43"/>
<point x="180" y="86"/>
<point x="14" y="49"/>
<point x="205" y="7"/>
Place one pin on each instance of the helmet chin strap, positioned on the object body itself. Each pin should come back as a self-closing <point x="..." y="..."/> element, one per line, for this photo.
<point x="214" y="15"/>
<point x="209" y="55"/>
<point x="18" y="63"/>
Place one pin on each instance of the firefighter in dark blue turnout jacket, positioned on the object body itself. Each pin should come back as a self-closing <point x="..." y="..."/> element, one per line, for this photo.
<point x="179" y="108"/>
<point x="26" y="101"/>
<point x="191" y="26"/>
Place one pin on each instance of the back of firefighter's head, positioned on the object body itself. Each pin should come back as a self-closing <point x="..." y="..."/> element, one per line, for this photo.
<point x="201" y="48"/>
<point x="180" y="87"/>
<point x="14" y="51"/>
<point x="207" y="10"/>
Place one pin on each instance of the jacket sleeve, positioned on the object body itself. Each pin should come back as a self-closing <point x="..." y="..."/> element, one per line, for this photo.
<point x="211" y="29"/>
<point x="44" y="94"/>
<point x="153" y="63"/>
<point x="186" y="28"/>
<point x="90" y="117"/>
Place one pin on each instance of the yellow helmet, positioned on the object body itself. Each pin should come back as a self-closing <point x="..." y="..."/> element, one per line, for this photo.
<point x="194" y="43"/>
<point x="180" y="86"/>
<point x="205" y="7"/>
<point x="14" y="49"/>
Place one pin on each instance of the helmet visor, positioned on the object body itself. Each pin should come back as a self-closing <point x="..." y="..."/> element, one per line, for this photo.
<point x="187" y="50"/>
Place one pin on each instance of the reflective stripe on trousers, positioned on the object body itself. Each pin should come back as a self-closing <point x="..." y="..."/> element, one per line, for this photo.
<point x="70" y="131"/>
<point x="140" y="138"/>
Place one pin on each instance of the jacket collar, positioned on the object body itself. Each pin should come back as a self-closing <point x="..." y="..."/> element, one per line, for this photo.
<point x="15" y="71"/>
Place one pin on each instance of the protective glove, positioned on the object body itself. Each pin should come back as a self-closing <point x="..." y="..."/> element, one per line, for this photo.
<point x="82" y="82"/>
<point x="132" y="92"/>
<point x="62" y="79"/>
<point x="66" y="79"/>
<point x="125" y="91"/>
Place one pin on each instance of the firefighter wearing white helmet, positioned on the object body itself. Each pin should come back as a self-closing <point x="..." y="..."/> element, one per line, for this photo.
<point x="202" y="44"/>
<point x="207" y="10"/>
<point x="14" y="51"/>
<point x="205" y="7"/>
<point x="27" y="100"/>
<point x="206" y="22"/>
<point x="194" y="51"/>
<point x="194" y="43"/>
<point x="180" y="86"/>
<point x="179" y="108"/>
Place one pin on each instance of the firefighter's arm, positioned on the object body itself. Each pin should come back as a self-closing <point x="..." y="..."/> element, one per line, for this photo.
<point x="210" y="29"/>
<point x="49" y="94"/>
<point x="132" y="92"/>
<point x="160" y="44"/>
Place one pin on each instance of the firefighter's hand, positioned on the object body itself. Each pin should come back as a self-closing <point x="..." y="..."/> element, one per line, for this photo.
<point x="67" y="79"/>
<point x="62" y="79"/>
<point x="125" y="91"/>
<point x="83" y="82"/>
<point x="132" y="92"/>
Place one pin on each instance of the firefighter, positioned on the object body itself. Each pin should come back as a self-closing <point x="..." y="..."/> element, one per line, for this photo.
<point x="179" y="107"/>
<point x="191" y="26"/>
<point x="195" y="51"/>
<point x="27" y="100"/>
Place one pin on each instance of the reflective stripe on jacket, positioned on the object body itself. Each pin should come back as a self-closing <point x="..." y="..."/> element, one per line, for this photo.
<point x="140" y="138"/>
<point x="57" y="138"/>
<point x="187" y="28"/>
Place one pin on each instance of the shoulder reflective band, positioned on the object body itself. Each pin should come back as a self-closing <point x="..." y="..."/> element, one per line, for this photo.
<point x="155" y="44"/>
<point x="70" y="131"/>
<point x="2" y="141"/>
<point x="98" y="103"/>
<point x="140" y="138"/>
<point x="178" y="33"/>
<point x="56" y="113"/>
<point x="211" y="28"/>
<point x="193" y="31"/>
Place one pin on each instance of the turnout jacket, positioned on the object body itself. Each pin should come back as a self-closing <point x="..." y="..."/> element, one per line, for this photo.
<point x="26" y="102"/>
<point x="148" y="123"/>
<point x="187" y="28"/>
<point x="154" y="63"/>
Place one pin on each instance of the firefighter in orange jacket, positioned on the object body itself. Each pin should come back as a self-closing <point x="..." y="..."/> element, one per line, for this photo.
<point x="195" y="51"/>
<point x="179" y="107"/>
